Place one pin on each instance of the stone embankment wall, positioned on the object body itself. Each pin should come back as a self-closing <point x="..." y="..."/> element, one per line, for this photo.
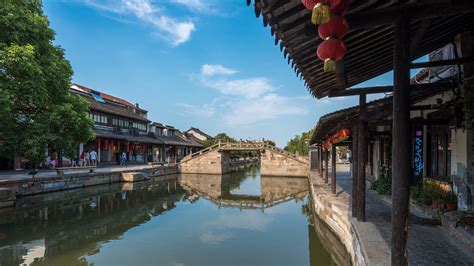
<point x="31" y="186"/>
<point x="335" y="212"/>
<point x="276" y="164"/>
<point x="213" y="162"/>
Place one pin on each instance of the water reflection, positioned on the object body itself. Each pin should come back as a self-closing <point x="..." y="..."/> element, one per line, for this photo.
<point x="182" y="220"/>
<point x="227" y="190"/>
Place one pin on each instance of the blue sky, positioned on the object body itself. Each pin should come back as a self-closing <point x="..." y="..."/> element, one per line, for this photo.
<point x="204" y="63"/>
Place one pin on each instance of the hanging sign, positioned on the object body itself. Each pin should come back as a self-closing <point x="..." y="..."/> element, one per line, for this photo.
<point x="418" y="153"/>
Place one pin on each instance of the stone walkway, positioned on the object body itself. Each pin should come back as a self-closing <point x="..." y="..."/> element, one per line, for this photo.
<point x="48" y="173"/>
<point x="428" y="243"/>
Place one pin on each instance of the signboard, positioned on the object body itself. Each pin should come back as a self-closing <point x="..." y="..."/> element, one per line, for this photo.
<point x="418" y="153"/>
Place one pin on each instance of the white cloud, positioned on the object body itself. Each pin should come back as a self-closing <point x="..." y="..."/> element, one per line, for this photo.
<point x="171" y="29"/>
<point x="211" y="70"/>
<point x="248" y="88"/>
<point x="243" y="101"/>
<point x="206" y="110"/>
<point x="195" y="5"/>
<point x="270" y="106"/>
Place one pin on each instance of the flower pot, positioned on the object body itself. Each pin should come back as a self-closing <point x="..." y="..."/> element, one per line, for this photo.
<point x="451" y="206"/>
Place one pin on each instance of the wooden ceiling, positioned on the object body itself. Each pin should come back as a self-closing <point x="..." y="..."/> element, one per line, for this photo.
<point x="369" y="40"/>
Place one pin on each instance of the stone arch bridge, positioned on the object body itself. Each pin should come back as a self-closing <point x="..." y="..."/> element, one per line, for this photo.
<point x="273" y="161"/>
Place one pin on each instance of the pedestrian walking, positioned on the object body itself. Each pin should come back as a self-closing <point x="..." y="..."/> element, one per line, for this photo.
<point x="82" y="159"/>
<point x="93" y="155"/>
<point x="123" y="159"/>
<point x="88" y="158"/>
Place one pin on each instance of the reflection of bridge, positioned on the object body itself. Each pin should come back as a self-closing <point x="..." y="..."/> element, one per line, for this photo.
<point x="273" y="190"/>
<point x="273" y="161"/>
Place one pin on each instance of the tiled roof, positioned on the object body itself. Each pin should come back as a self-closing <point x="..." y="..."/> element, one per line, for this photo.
<point x="200" y="132"/>
<point x="114" y="109"/>
<point x="131" y="138"/>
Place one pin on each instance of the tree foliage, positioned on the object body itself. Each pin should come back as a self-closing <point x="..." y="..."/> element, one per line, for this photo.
<point x="37" y="109"/>
<point x="299" y="144"/>
<point x="223" y="137"/>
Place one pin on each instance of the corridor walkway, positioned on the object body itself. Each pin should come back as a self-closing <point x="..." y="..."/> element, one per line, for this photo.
<point x="428" y="243"/>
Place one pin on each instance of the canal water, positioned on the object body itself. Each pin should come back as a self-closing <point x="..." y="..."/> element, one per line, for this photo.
<point x="235" y="219"/>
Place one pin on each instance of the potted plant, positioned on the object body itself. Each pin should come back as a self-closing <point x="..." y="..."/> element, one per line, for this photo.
<point x="450" y="199"/>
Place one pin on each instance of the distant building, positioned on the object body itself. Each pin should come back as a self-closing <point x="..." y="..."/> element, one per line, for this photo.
<point x="175" y="146"/>
<point x="197" y="135"/>
<point x="119" y="127"/>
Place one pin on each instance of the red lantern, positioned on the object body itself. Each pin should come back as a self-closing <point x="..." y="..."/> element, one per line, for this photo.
<point x="98" y="144"/>
<point x="330" y="51"/>
<point x="336" y="27"/>
<point x="339" y="7"/>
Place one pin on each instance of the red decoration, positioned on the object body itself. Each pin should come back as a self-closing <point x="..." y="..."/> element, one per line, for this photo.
<point x="330" y="51"/>
<point x="339" y="7"/>
<point x="98" y="144"/>
<point x="340" y="136"/>
<point x="309" y="4"/>
<point x="106" y="145"/>
<point x="336" y="27"/>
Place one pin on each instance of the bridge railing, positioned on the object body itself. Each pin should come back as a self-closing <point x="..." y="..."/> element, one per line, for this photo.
<point x="245" y="146"/>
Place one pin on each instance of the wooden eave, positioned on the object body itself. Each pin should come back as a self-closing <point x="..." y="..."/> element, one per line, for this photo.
<point x="369" y="50"/>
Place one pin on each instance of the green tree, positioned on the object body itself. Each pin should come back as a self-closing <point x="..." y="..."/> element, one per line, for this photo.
<point x="37" y="109"/>
<point x="223" y="137"/>
<point x="300" y="143"/>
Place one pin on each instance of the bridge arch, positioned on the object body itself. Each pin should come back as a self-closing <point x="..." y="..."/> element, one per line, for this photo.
<point x="273" y="161"/>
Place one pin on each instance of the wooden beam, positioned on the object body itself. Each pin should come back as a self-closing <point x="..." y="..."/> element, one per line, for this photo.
<point x="334" y="172"/>
<point x="386" y="89"/>
<point x="447" y="62"/>
<point x="387" y="16"/>
<point x="362" y="157"/>
<point x="341" y="74"/>
<point x="401" y="141"/>
<point x="424" y="107"/>
<point x="354" y="153"/>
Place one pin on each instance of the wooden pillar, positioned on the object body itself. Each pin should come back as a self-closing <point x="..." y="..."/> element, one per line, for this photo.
<point x="326" y="166"/>
<point x="400" y="141"/>
<point x="321" y="158"/>
<point x="355" y="159"/>
<point x="362" y="157"/>
<point x="334" y="172"/>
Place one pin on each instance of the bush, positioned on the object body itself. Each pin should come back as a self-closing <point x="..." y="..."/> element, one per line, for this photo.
<point x="383" y="185"/>
<point x="427" y="192"/>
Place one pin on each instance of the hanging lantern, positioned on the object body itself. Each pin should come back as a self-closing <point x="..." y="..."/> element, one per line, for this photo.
<point x="321" y="11"/>
<point x="330" y="51"/>
<point x="339" y="7"/>
<point x="336" y="27"/>
<point x="98" y="144"/>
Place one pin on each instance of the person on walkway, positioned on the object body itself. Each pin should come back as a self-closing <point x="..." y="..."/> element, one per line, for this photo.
<point x="93" y="155"/>
<point x="88" y="158"/>
<point x="82" y="159"/>
<point x="123" y="159"/>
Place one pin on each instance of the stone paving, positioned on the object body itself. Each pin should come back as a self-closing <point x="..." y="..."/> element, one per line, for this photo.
<point x="48" y="173"/>
<point x="428" y="243"/>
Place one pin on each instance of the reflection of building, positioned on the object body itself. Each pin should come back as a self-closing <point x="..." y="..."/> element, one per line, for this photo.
<point x="218" y="189"/>
<point x="77" y="221"/>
